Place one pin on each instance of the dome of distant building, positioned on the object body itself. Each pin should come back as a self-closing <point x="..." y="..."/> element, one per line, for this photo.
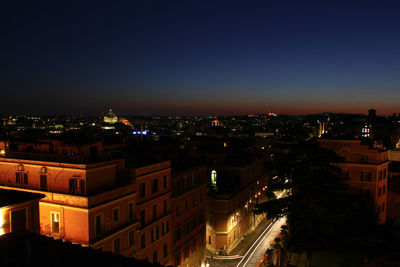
<point x="110" y="117"/>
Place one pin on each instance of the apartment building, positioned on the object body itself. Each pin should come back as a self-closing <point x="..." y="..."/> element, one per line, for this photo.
<point x="236" y="184"/>
<point x="189" y="196"/>
<point x="364" y="170"/>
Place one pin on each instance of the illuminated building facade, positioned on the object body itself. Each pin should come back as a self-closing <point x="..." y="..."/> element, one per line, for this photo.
<point x="100" y="203"/>
<point x="153" y="210"/>
<point x="189" y="194"/>
<point x="235" y="187"/>
<point x="365" y="170"/>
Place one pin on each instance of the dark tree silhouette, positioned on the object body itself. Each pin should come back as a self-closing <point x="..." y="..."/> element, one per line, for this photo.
<point x="319" y="210"/>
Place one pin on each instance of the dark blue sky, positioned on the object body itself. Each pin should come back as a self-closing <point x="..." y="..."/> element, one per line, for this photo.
<point x="200" y="57"/>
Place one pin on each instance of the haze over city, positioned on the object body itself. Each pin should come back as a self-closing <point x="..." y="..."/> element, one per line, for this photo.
<point x="200" y="57"/>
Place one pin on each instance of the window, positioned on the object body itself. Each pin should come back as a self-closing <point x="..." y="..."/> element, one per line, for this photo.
<point x="152" y="235"/>
<point x="186" y="250"/>
<point x="154" y="256"/>
<point x="99" y="224"/>
<point x="384" y="174"/>
<point x="43" y="182"/>
<point x="178" y="233"/>
<point x="76" y="186"/>
<point x="380" y="175"/>
<point x="178" y="257"/>
<point x="165" y="250"/>
<point x="131" y="238"/>
<point x="116" y="246"/>
<point x="21" y="178"/>
<point x="177" y="210"/>
<point x="154" y="212"/>
<point x="194" y="223"/>
<point x="193" y="179"/>
<point x="345" y="175"/>
<point x="142" y="190"/>
<point x="142" y="217"/>
<point x="213" y="177"/>
<point x="366" y="176"/>
<point x="116" y="215"/>
<point x="131" y="211"/>
<point x="186" y="228"/>
<point x="209" y="239"/>
<point x="55" y="222"/>
<point x="185" y="182"/>
<point x="379" y="191"/>
<point x="154" y="186"/>
<point x="186" y="205"/>
<point x="143" y="241"/>
<point x="211" y="219"/>
<point x="193" y="201"/>
<point x="383" y="207"/>
<point x="165" y="206"/>
<point x="165" y="181"/>
<point x="18" y="220"/>
<point x="383" y="189"/>
<point x="157" y="232"/>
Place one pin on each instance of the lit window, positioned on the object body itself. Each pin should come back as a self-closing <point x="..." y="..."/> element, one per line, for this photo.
<point x="213" y="177"/>
<point x="55" y="222"/>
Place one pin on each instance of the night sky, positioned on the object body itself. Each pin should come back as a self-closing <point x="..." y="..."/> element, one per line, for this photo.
<point x="199" y="57"/>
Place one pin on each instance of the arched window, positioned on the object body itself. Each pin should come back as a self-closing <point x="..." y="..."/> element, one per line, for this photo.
<point x="213" y="177"/>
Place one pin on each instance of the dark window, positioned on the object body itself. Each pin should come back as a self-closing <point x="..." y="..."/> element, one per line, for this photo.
<point x="209" y="239"/>
<point x="379" y="191"/>
<point x="154" y="186"/>
<point x="165" y="182"/>
<point x="383" y="207"/>
<point x="193" y="179"/>
<point x="167" y="226"/>
<point x="21" y="178"/>
<point x="186" y="251"/>
<point x="186" y="228"/>
<point x="366" y="176"/>
<point x="178" y="233"/>
<point x="384" y="174"/>
<point x="345" y="174"/>
<point x="142" y="217"/>
<point x="178" y="258"/>
<point x="131" y="211"/>
<point x="142" y="190"/>
<point x="165" y="207"/>
<point x="154" y="212"/>
<point x="380" y="175"/>
<point x="131" y="238"/>
<point x="116" y="246"/>
<point x="18" y="220"/>
<point x="165" y="250"/>
<point x="177" y="210"/>
<point x="142" y="241"/>
<point x="76" y="186"/>
<point x="154" y="256"/>
<point x="186" y="205"/>
<point x="152" y="235"/>
<point x="116" y="215"/>
<point x="157" y="233"/>
<point x="99" y="225"/>
<point x="383" y="189"/>
<point x="193" y="202"/>
<point x="194" y="223"/>
<point x="43" y="182"/>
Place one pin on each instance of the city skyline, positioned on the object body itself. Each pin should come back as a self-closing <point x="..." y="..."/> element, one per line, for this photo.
<point x="200" y="58"/>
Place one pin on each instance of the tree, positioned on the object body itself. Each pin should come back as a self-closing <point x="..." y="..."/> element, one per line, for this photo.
<point x="319" y="209"/>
